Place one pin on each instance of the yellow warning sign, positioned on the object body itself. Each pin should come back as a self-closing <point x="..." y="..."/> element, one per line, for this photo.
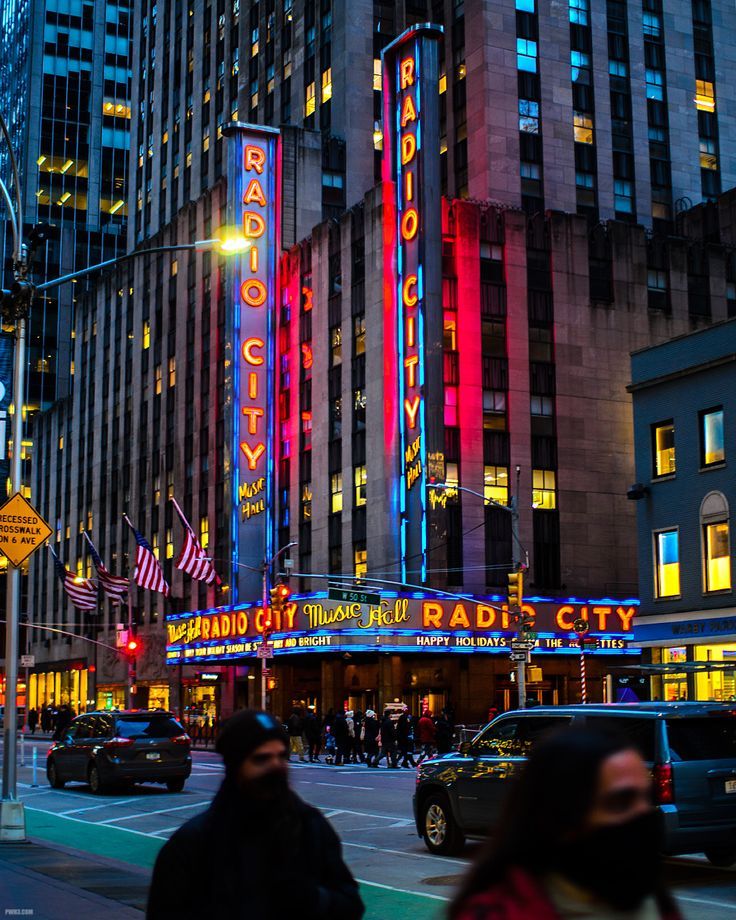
<point x="22" y="529"/>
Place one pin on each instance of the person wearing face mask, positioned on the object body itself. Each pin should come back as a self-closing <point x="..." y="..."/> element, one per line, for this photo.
<point x="258" y="852"/>
<point x="579" y="839"/>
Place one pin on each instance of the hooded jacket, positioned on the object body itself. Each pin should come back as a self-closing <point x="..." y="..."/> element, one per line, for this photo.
<point x="253" y="860"/>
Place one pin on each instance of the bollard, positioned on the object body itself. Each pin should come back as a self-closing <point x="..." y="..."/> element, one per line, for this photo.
<point x="34" y="761"/>
<point x="22" y="748"/>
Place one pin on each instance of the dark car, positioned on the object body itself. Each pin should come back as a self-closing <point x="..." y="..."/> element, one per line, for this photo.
<point x="113" y="748"/>
<point x="690" y="747"/>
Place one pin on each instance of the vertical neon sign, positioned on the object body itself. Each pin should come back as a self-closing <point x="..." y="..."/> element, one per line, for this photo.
<point x="253" y="189"/>
<point x="411" y="163"/>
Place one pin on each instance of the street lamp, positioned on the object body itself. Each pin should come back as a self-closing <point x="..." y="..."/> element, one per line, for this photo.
<point x="516" y="564"/>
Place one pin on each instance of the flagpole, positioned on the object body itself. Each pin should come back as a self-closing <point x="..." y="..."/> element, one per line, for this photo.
<point x="129" y="683"/>
<point x="184" y="521"/>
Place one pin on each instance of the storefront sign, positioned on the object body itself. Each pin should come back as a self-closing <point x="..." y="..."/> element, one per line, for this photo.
<point x="688" y="631"/>
<point x="401" y="623"/>
<point x="411" y="163"/>
<point x="253" y="181"/>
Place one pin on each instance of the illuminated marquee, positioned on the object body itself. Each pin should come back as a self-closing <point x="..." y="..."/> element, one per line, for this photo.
<point x="411" y="163"/>
<point x="397" y="622"/>
<point x="254" y="209"/>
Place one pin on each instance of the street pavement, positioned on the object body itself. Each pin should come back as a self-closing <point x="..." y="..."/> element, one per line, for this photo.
<point x="91" y="850"/>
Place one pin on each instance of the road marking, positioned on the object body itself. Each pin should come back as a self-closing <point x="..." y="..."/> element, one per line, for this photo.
<point x="125" y="830"/>
<point x="419" y="894"/>
<point x="29" y="795"/>
<point x="144" y="814"/>
<point x="679" y="897"/>
<point x="364" y="846"/>
<point x="75" y="811"/>
<point x="346" y="786"/>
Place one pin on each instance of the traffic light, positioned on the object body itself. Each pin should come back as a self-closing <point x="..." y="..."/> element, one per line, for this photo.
<point x="527" y="624"/>
<point x="280" y="594"/>
<point x="133" y="647"/>
<point x="515" y="589"/>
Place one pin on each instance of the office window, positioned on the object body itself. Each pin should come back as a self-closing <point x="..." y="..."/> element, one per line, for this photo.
<point x="526" y="55"/>
<point x="377" y="75"/>
<point x="526" y="6"/>
<point x="655" y="84"/>
<point x="169" y="543"/>
<point x="327" y="84"/>
<point x="204" y="532"/>
<point x="717" y="556"/>
<point x="579" y="12"/>
<point x="544" y="489"/>
<point x="663" y="438"/>
<point x="667" y="564"/>
<point x="336" y="493"/>
<point x="309" y="104"/>
<point x="529" y="116"/>
<point x="360" y="559"/>
<point x="583" y="128"/>
<point x="157" y="379"/>
<point x="172" y="371"/>
<point x="623" y="196"/>
<point x="361" y="478"/>
<point x="712" y="449"/>
<point x="705" y="100"/>
<point x="496" y="484"/>
<point x="146" y="334"/>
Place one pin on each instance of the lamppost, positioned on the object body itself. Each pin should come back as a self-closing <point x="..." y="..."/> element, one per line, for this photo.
<point x="516" y="546"/>
<point x="12" y="818"/>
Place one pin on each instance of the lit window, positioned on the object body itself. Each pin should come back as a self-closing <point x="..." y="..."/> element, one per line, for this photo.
<point x="146" y="334"/>
<point x="579" y="11"/>
<point x="449" y="342"/>
<point x="544" y="489"/>
<point x="712" y="449"/>
<point x="667" y="564"/>
<point x="377" y="75"/>
<point x="708" y="155"/>
<point x="704" y="96"/>
<point x="623" y="196"/>
<point x="717" y="556"/>
<point x="172" y="371"/>
<point x="529" y="116"/>
<point x="663" y="436"/>
<point x="206" y="143"/>
<point x="309" y="104"/>
<point x="157" y="489"/>
<point x="361" y="478"/>
<point x="656" y="280"/>
<point x="359" y="334"/>
<point x="452" y="475"/>
<point x="335" y="345"/>
<point x="169" y="543"/>
<point x="583" y="128"/>
<point x="154" y="545"/>
<point x="618" y="68"/>
<point x="451" y="406"/>
<point x="174" y="267"/>
<point x="580" y="67"/>
<point x="542" y="405"/>
<point x="442" y="83"/>
<point x="526" y="55"/>
<point x="655" y="84"/>
<point x="336" y="493"/>
<point x="526" y="6"/>
<point x="584" y="180"/>
<point x="204" y="532"/>
<point x="651" y="25"/>
<point x="327" y="84"/>
<point x="61" y="442"/>
<point x="496" y="484"/>
<point x="157" y="378"/>
<point x="529" y="170"/>
<point x="360" y="558"/>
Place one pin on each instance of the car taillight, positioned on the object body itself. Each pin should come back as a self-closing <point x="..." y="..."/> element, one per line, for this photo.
<point x="182" y="739"/>
<point x="115" y="743"/>
<point x="664" y="788"/>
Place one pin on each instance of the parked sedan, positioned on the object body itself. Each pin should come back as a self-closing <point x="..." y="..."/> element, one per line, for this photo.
<point x="690" y="747"/>
<point x="108" y="748"/>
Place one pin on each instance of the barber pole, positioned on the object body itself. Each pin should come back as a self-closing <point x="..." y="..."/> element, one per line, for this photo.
<point x="581" y="627"/>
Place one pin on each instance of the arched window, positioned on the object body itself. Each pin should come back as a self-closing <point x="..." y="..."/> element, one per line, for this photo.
<point x="716" y="542"/>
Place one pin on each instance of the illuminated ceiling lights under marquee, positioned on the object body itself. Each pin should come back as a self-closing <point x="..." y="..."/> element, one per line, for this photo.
<point x="253" y="211"/>
<point x="411" y="161"/>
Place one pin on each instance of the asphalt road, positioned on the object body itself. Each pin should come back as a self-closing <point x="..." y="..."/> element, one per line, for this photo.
<point x="370" y="810"/>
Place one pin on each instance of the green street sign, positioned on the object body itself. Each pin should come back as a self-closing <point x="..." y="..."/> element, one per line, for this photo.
<point x="349" y="596"/>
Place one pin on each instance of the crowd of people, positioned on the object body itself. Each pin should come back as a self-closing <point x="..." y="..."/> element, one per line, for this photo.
<point x="397" y="737"/>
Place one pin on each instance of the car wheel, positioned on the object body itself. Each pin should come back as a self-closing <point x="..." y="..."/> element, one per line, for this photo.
<point x="439" y="828"/>
<point x="95" y="783"/>
<point x="175" y="785"/>
<point x="52" y="774"/>
<point x="723" y="857"/>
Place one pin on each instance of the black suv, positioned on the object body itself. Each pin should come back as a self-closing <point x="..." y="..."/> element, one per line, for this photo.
<point x="109" y="748"/>
<point x="690" y="747"/>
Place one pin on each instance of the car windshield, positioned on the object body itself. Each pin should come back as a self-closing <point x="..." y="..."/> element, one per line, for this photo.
<point x="148" y="727"/>
<point x="703" y="738"/>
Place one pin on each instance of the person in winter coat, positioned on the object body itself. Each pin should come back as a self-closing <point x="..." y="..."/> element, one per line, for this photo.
<point x="33" y="720"/>
<point x="312" y="734"/>
<point x="259" y="852"/>
<point x="388" y="741"/>
<point x="295" y="727"/>
<point x="342" y="738"/>
<point x="580" y="838"/>
<point x="426" y="735"/>
<point x="443" y="734"/>
<point x="371" y="729"/>
<point x="357" y="751"/>
<point x="405" y="738"/>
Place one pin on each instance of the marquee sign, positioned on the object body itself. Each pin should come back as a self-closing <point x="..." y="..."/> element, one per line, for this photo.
<point x="253" y="183"/>
<point x="411" y="163"/>
<point x="396" y="623"/>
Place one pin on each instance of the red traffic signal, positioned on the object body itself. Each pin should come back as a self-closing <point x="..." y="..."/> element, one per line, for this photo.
<point x="132" y="646"/>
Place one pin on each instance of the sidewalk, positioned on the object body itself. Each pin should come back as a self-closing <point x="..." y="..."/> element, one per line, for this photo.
<point x="50" y="884"/>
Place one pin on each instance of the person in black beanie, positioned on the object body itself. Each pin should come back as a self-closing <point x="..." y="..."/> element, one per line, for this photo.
<point x="259" y="852"/>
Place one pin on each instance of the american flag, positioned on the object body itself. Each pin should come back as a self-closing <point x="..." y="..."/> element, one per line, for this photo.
<point x="114" y="586"/>
<point x="148" y="573"/>
<point x="192" y="558"/>
<point x="81" y="591"/>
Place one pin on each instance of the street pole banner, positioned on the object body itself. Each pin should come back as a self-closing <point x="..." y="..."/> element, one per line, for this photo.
<point x="253" y="204"/>
<point x="411" y="161"/>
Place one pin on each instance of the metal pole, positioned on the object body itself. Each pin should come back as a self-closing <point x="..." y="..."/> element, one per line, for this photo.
<point x="264" y="661"/>
<point x="12" y="825"/>
<point x="583" y="684"/>
<point x="516" y="562"/>
<point x="129" y="681"/>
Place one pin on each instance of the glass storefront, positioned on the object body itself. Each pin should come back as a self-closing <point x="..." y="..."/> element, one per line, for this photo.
<point x="716" y="684"/>
<point x="110" y="696"/>
<point x="52" y="688"/>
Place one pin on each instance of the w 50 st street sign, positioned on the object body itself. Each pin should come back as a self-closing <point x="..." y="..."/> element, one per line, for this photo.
<point x="22" y="529"/>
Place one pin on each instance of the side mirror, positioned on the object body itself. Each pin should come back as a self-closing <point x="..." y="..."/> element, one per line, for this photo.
<point x="465" y="748"/>
<point x="68" y="739"/>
